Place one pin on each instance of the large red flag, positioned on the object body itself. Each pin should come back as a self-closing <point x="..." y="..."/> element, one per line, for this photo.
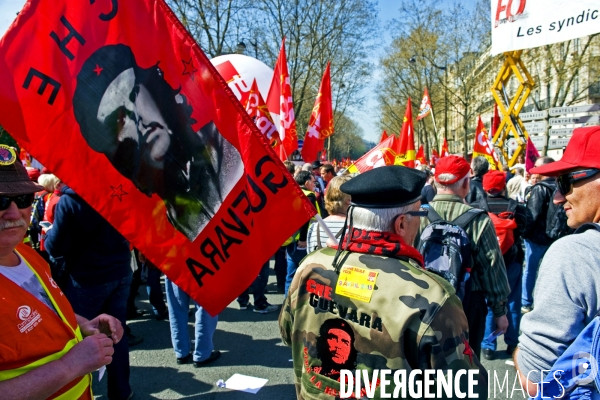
<point x="420" y="159"/>
<point x="484" y="147"/>
<point x="425" y="107"/>
<point x="120" y="102"/>
<point x="444" y="152"/>
<point x="406" y="150"/>
<point x="320" y="125"/>
<point x="279" y="102"/>
<point x="257" y="110"/>
<point x="379" y="156"/>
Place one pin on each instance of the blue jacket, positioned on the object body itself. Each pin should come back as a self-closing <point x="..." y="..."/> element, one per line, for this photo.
<point x="93" y="251"/>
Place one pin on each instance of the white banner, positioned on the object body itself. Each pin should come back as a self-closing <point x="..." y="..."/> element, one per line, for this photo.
<point x="524" y="24"/>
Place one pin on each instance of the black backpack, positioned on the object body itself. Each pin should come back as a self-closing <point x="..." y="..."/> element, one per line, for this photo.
<point x="446" y="249"/>
<point x="556" y="217"/>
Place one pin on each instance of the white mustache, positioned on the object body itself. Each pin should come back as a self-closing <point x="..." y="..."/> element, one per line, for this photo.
<point x="5" y="224"/>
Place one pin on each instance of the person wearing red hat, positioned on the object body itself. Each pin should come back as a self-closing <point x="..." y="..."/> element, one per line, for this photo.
<point x="569" y="275"/>
<point x="509" y="219"/>
<point x="489" y="281"/>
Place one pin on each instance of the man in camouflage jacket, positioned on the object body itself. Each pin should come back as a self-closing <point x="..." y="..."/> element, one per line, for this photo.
<point x="373" y="306"/>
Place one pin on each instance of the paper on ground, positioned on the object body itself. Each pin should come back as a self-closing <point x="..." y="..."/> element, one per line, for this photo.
<point x="245" y="383"/>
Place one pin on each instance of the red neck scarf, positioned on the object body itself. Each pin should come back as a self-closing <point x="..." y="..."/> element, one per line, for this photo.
<point x="381" y="244"/>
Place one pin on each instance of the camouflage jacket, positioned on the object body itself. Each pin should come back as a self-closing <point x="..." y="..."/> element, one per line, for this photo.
<point x="412" y="321"/>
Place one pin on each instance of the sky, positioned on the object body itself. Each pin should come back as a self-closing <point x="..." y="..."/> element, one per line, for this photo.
<point x="366" y="117"/>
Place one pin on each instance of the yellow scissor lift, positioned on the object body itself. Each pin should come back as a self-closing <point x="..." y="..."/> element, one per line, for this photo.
<point x="508" y="108"/>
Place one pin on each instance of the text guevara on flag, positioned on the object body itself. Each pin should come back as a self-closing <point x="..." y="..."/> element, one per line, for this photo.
<point x="118" y="100"/>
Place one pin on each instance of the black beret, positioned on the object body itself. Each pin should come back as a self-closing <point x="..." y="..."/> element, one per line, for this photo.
<point x="386" y="187"/>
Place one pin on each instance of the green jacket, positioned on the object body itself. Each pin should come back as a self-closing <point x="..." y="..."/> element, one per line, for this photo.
<point x="412" y="321"/>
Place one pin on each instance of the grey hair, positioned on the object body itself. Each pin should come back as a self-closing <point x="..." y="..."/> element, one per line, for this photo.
<point x="480" y="166"/>
<point x="377" y="219"/>
<point x="453" y="186"/>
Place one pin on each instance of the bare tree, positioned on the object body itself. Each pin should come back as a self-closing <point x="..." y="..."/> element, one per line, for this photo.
<point x="559" y="69"/>
<point x="319" y="31"/>
<point x="216" y="25"/>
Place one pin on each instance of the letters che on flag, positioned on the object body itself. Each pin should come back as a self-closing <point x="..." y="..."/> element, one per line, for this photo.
<point x="119" y="101"/>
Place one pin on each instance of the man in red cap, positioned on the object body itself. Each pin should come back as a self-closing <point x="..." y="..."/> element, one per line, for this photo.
<point x="489" y="281"/>
<point x="509" y="221"/>
<point x="569" y="275"/>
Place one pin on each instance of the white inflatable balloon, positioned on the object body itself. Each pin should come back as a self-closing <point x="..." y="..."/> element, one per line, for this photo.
<point x="239" y="71"/>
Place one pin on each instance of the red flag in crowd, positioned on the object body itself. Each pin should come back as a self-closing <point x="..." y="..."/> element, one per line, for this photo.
<point x="279" y="101"/>
<point x="444" y="152"/>
<point x="495" y="122"/>
<point x="406" y="149"/>
<point x="484" y="147"/>
<point x="257" y="110"/>
<point x="148" y="133"/>
<point x="425" y="108"/>
<point x="384" y="136"/>
<point x="324" y="155"/>
<point x="531" y="155"/>
<point x="379" y="156"/>
<point x="435" y="157"/>
<point x="420" y="159"/>
<point x="320" y="125"/>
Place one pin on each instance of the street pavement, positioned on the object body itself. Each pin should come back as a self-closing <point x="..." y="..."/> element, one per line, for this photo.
<point x="250" y="345"/>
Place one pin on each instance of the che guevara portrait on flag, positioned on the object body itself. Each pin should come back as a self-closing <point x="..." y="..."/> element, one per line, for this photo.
<point x="143" y="126"/>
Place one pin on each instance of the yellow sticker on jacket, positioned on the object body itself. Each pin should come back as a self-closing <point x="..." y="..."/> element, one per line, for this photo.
<point x="356" y="283"/>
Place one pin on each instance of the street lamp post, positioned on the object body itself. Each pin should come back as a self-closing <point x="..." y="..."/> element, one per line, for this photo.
<point x="241" y="47"/>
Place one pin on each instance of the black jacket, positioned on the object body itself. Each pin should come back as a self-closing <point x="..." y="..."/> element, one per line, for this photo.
<point x="94" y="252"/>
<point x="537" y="201"/>
<point x="476" y="193"/>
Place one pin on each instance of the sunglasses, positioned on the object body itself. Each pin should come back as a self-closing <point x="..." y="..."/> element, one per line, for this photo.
<point x="22" y="201"/>
<point x="564" y="183"/>
<point x="421" y="213"/>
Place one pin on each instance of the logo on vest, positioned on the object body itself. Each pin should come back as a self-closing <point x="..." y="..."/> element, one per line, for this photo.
<point x="30" y="319"/>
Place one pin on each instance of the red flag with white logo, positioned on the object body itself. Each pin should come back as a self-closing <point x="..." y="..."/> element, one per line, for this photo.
<point x="320" y="125"/>
<point x="257" y="110"/>
<point x="382" y="154"/>
<point x="425" y="107"/>
<point x="118" y="100"/>
<point x="484" y="147"/>
<point x="279" y="101"/>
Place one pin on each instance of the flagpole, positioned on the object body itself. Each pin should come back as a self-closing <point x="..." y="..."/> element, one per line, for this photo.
<point x="326" y="229"/>
<point x="434" y="125"/>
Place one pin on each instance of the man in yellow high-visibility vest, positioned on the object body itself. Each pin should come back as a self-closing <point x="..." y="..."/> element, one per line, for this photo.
<point x="46" y="350"/>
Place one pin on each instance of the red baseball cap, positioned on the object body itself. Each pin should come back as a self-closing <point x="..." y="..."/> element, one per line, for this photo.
<point x="583" y="150"/>
<point x="33" y="173"/>
<point x="455" y="165"/>
<point x="494" y="182"/>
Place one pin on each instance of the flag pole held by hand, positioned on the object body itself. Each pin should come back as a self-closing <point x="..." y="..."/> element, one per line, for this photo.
<point x="326" y="229"/>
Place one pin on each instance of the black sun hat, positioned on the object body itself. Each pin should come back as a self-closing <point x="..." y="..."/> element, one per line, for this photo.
<point x="14" y="179"/>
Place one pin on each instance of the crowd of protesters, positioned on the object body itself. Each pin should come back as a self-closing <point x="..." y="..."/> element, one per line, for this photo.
<point x="514" y="222"/>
